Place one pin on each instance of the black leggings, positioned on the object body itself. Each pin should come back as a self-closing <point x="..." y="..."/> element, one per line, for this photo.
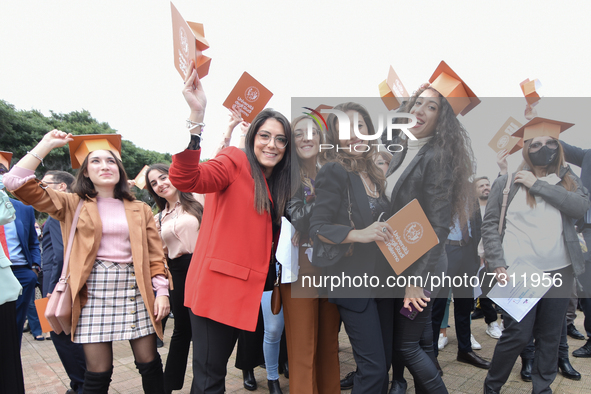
<point x="413" y="348"/>
<point x="176" y="363"/>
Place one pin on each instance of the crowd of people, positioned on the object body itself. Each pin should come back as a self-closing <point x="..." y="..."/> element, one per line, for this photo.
<point x="208" y="253"/>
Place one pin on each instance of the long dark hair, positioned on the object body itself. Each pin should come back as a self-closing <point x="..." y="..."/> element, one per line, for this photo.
<point x="354" y="163"/>
<point x="453" y="151"/>
<point x="84" y="187"/>
<point x="279" y="182"/>
<point x="188" y="202"/>
<point x="553" y="168"/>
<point x="297" y="166"/>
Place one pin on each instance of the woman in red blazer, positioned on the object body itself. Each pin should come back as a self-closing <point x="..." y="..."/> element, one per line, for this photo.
<point x="247" y="194"/>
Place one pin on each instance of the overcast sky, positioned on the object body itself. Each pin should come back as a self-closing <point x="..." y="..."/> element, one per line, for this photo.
<point x="114" y="58"/>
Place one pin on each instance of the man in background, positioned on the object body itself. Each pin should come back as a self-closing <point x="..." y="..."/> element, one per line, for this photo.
<point x="71" y="354"/>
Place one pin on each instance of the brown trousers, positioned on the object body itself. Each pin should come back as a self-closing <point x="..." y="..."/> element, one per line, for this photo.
<point x="312" y="329"/>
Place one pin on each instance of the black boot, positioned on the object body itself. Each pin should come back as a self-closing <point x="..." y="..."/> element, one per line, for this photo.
<point x="274" y="387"/>
<point x="152" y="376"/>
<point x="97" y="382"/>
<point x="398" y="387"/>
<point x="567" y="369"/>
<point x="526" y="367"/>
<point x="248" y="379"/>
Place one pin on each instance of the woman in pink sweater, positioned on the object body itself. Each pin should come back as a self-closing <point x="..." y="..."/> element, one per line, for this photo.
<point x="116" y="262"/>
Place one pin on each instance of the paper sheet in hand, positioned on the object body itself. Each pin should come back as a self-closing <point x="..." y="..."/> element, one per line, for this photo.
<point x="413" y="237"/>
<point x="286" y="253"/>
<point x="519" y="297"/>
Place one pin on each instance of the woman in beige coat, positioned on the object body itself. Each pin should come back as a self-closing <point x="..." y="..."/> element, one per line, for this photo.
<point x="116" y="256"/>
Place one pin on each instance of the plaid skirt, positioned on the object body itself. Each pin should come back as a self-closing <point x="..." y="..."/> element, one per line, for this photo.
<point x="115" y="310"/>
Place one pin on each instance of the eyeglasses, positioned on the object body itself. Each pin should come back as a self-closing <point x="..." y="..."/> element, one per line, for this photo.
<point x="536" y="146"/>
<point x="265" y="138"/>
<point x="52" y="183"/>
<point x="300" y="135"/>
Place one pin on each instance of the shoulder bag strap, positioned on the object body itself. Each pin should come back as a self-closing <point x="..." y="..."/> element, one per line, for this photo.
<point x="71" y="239"/>
<point x="504" y="204"/>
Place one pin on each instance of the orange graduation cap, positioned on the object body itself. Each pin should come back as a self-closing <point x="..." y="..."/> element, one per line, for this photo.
<point x="392" y="91"/>
<point x="5" y="158"/>
<point x="454" y="89"/>
<point x="531" y="90"/>
<point x="86" y="143"/>
<point x="539" y="127"/>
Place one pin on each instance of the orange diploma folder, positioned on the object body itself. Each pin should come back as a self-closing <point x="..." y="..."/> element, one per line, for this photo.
<point x="249" y="97"/>
<point x="503" y="139"/>
<point x="41" y="305"/>
<point x="413" y="237"/>
<point x="189" y="41"/>
<point x="392" y="91"/>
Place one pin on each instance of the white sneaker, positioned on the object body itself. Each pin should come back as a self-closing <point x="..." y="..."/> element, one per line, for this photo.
<point x="442" y="342"/>
<point x="493" y="330"/>
<point x="474" y="343"/>
<point x="502" y="327"/>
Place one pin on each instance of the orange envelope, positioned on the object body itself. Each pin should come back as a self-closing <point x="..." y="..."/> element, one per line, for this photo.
<point x="392" y="91"/>
<point x="503" y="138"/>
<point x="413" y="237"/>
<point x="41" y="305"/>
<point x="140" y="179"/>
<point x="529" y="90"/>
<point x="188" y="42"/>
<point x="249" y="97"/>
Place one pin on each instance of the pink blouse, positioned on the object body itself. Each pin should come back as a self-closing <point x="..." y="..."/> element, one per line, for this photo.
<point x="178" y="230"/>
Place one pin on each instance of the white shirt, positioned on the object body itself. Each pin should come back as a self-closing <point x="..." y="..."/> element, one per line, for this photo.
<point x="534" y="234"/>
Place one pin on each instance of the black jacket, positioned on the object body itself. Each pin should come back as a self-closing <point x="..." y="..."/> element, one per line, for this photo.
<point x="428" y="181"/>
<point x="330" y="219"/>
<point x="299" y="212"/>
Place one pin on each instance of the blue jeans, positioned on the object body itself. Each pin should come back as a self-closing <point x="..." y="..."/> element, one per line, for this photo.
<point x="33" y="318"/>
<point x="272" y="339"/>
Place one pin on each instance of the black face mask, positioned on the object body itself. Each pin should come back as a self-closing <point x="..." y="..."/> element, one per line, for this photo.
<point x="544" y="157"/>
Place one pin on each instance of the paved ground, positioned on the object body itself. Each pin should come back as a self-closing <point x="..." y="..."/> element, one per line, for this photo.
<point x="44" y="373"/>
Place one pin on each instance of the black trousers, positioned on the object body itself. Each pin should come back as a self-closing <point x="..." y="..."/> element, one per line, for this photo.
<point x="413" y="348"/>
<point x="530" y="349"/>
<point x="370" y="333"/>
<point x="486" y="306"/>
<point x="460" y="261"/>
<point x="72" y="358"/>
<point x="180" y="342"/>
<point x="11" y="370"/>
<point x="545" y="321"/>
<point x="249" y="352"/>
<point x="212" y="347"/>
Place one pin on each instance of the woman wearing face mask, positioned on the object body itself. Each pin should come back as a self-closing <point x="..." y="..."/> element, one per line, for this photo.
<point x="116" y="261"/>
<point x="544" y="201"/>
<point x="349" y="201"/>
<point x="433" y="168"/>
<point x="311" y="322"/>
<point x="178" y="224"/>
<point x="247" y="194"/>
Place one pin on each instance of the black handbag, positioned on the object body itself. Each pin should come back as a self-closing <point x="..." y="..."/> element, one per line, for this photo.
<point x="326" y="254"/>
